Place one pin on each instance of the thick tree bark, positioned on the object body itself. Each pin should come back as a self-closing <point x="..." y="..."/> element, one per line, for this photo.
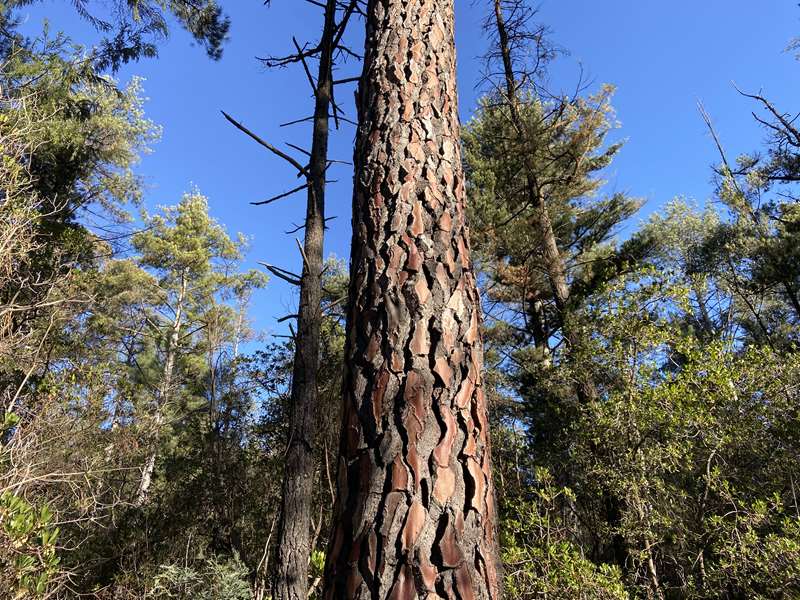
<point x="290" y="578"/>
<point x="414" y="516"/>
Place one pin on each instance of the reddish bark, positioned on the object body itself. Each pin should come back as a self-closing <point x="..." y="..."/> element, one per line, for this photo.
<point x="415" y="507"/>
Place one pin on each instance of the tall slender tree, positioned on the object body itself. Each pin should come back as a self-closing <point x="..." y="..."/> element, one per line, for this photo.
<point x="294" y="543"/>
<point x="290" y="580"/>
<point x="191" y="255"/>
<point x="415" y="506"/>
<point x="514" y="35"/>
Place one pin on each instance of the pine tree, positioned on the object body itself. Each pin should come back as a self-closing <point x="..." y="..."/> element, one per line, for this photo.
<point x="132" y="29"/>
<point x="415" y="504"/>
<point x="190" y="254"/>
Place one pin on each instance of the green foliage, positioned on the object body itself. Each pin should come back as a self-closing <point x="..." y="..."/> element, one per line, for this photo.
<point x="89" y="133"/>
<point x="541" y="561"/>
<point x="67" y="142"/>
<point x="758" y="548"/>
<point x="681" y="474"/>
<point x="317" y="563"/>
<point x="132" y="29"/>
<point x="210" y="579"/>
<point x="28" y="558"/>
<point x="564" y="144"/>
<point x="677" y="436"/>
<point x="185" y="242"/>
<point x="83" y="338"/>
<point x="675" y="477"/>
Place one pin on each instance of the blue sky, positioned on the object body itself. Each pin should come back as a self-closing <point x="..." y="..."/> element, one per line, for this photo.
<point x="663" y="57"/>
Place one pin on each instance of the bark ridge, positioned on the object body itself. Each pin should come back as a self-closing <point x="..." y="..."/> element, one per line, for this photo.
<point x="415" y="508"/>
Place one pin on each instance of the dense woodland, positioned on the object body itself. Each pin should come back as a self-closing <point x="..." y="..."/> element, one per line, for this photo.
<point x="642" y="390"/>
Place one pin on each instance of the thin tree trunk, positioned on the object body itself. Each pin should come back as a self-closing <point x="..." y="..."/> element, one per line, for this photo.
<point x="537" y="323"/>
<point x="554" y="264"/>
<point x="163" y="393"/>
<point x="290" y="579"/>
<point x="553" y="261"/>
<point x="414" y="515"/>
<point x="239" y="327"/>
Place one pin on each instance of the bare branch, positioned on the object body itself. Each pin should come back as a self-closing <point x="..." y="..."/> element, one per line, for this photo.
<point x="287" y="276"/>
<point x="300" y="168"/>
<point x="305" y="66"/>
<point x="283" y="195"/>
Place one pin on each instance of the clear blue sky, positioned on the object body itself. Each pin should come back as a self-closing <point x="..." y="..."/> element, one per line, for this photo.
<point x="662" y="56"/>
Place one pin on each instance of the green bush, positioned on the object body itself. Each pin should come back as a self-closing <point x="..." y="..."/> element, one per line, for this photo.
<point x="540" y="559"/>
<point x="210" y="579"/>
<point x="28" y="558"/>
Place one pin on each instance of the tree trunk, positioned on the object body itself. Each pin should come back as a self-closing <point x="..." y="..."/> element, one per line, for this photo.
<point x="146" y="479"/>
<point x="554" y="264"/>
<point x="553" y="261"/>
<point x="414" y="515"/>
<point x="290" y="578"/>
